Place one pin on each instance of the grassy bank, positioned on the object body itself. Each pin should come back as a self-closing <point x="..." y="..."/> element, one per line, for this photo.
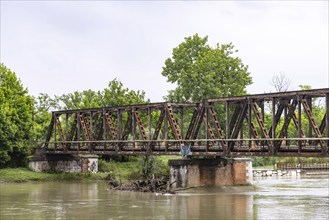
<point x="122" y="171"/>
<point x="25" y="175"/>
<point x="134" y="167"/>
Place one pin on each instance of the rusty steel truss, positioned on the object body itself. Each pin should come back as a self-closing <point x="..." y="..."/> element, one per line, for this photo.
<point x="273" y="124"/>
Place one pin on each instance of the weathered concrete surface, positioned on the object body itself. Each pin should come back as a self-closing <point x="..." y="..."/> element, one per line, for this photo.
<point x="210" y="172"/>
<point x="68" y="164"/>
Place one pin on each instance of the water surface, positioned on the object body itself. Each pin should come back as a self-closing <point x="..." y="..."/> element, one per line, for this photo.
<point x="302" y="197"/>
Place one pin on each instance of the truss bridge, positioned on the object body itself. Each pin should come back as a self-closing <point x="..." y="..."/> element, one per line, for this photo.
<point x="292" y="123"/>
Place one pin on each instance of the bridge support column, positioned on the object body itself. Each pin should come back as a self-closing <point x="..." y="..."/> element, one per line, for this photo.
<point x="210" y="172"/>
<point x="65" y="163"/>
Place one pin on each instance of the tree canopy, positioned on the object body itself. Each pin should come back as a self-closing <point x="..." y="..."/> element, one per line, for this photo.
<point x="115" y="94"/>
<point x="16" y="125"/>
<point x="201" y="71"/>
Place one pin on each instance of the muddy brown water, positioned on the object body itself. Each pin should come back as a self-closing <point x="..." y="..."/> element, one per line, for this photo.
<point x="302" y="197"/>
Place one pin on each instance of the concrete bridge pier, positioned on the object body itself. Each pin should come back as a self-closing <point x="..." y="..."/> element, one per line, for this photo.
<point x="210" y="172"/>
<point x="65" y="163"/>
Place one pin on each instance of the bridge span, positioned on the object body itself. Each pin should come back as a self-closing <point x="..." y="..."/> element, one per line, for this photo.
<point x="294" y="123"/>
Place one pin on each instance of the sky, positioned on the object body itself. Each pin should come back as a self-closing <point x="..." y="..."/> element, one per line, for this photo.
<point x="58" y="47"/>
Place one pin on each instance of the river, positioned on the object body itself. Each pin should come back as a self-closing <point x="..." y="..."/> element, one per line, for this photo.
<point x="302" y="197"/>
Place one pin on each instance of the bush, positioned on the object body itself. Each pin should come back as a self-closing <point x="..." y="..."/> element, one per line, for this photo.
<point x="263" y="161"/>
<point x="152" y="166"/>
<point x="103" y="166"/>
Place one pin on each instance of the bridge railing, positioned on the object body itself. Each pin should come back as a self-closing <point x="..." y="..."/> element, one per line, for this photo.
<point x="303" y="166"/>
<point x="196" y="147"/>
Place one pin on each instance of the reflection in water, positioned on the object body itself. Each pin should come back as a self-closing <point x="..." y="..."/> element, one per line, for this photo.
<point x="272" y="198"/>
<point x="219" y="206"/>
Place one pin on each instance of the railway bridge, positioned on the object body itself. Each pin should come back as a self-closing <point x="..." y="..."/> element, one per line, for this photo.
<point x="289" y="124"/>
<point x="292" y="123"/>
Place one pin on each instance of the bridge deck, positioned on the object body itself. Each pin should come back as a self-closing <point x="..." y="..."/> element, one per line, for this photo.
<point x="273" y="124"/>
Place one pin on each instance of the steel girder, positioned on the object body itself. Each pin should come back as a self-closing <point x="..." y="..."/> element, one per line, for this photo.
<point x="273" y="124"/>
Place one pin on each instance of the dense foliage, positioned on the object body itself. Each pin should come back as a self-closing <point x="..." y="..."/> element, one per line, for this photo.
<point x="201" y="71"/>
<point x="16" y="125"/>
<point x="115" y="94"/>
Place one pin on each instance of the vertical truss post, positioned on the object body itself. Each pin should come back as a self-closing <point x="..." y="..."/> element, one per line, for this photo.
<point x="66" y="126"/>
<point x="149" y="120"/>
<point x="206" y="106"/>
<point x="285" y="119"/>
<point x="228" y="132"/>
<point x="66" y="131"/>
<point x="78" y="130"/>
<point x="310" y="128"/>
<point x="299" y="104"/>
<point x="166" y="127"/>
<point x="262" y="108"/>
<point x="91" y="115"/>
<point x="55" y="125"/>
<point x="104" y="124"/>
<point x="119" y="128"/>
<point x="285" y="110"/>
<point x="91" y="134"/>
<point x="242" y="127"/>
<point x="134" y="127"/>
<point x="325" y="150"/>
<point x="182" y="121"/>
<point x="272" y="149"/>
<point x="249" y="123"/>
<point x="104" y="128"/>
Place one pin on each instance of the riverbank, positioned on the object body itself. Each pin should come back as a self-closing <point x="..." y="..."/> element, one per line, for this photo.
<point x="25" y="175"/>
<point x="123" y="172"/>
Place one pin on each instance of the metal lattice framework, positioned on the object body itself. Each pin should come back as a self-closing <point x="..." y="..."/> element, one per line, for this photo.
<point x="273" y="124"/>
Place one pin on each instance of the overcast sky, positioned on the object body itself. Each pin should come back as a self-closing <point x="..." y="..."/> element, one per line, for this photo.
<point x="58" y="47"/>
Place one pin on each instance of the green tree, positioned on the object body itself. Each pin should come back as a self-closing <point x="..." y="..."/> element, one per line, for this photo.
<point x="201" y="71"/>
<point x="151" y="166"/>
<point x="16" y="125"/>
<point x="79" y="100"/>
<point x="114" y="95"/>
<point x="117" y="95"/>
<point x="43" y="104"/>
